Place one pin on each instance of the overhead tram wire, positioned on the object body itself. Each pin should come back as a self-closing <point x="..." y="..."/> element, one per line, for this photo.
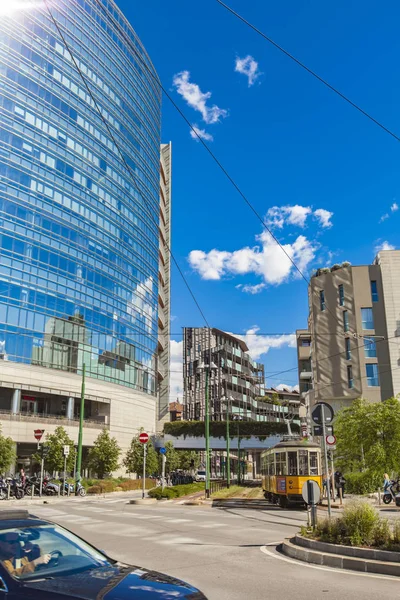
<point x="310" y="71"/>
<point x="213" y="156"/>
<point x="127" y="166"/>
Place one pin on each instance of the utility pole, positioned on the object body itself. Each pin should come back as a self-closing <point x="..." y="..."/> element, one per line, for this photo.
<point x="80" y="436"/>
<point x="238" y="434"/>
<point x="207" y="434"/>
<point x="228" y="450"/>
<point x="328" y="483"/>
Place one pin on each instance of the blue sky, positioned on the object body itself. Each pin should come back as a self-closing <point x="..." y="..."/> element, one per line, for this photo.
<point x="288" y="142"/>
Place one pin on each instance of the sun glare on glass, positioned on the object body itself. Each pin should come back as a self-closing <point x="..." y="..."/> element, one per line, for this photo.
<point x="8" y="7"/>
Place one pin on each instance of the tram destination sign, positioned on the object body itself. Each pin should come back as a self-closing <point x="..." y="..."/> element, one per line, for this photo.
<point x="317" y="412"/>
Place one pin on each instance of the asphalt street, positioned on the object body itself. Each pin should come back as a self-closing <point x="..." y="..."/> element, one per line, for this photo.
<point x="229" y="553"/>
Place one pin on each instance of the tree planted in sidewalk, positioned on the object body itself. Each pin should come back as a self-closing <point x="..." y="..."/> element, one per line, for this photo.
<point x="55" y="442"/>
<point x="7" y="453"/>
<point x="133" y="461"/>
<point x="172" y="458"/>
<point x="368" y="437"/>
<point x="189" y="460"/>
<point x="103" y="456"/>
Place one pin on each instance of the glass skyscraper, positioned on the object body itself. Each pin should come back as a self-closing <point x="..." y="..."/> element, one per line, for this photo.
<point x="79" y="200"/>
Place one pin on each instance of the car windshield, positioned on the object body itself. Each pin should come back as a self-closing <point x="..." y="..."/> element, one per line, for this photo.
<point x="46" y="551"/>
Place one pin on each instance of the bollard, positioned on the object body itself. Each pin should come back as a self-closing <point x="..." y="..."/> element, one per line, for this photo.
<point x="33" y="490"/>
<point x="8" y="491"/>
<point x="379" y="496"/>
<point x="59" y="490"/>
<point x="340" y="495"/>
<point x="69" y="490"/>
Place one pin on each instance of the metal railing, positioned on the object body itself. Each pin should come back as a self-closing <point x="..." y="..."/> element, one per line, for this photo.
<point x="217" y="485"/>
<point x="52" y="419"/>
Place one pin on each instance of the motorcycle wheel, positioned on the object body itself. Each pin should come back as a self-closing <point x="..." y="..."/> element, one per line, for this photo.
<point x="19" y="494"/>
<point x="387" y="498"/>
<point x="82" y="492"/>
<point x="3" y="494"/>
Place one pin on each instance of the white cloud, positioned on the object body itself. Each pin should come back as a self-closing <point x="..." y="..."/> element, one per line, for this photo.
<point x="266" y="260"/>
<point x="261" y="344"/>
<point x="176" y="370"/>
<point x="324" y="217"/>
<point x="253" y="289"/>
<point x="384" y="246"/>
<point x="384" y="217"/>
<point x="249" y="67"/>
<point x="277" y="216"/>
<point x="394" y="207"/>
<point x="201" y="133"/>
<point x="195" y="98"/>
<point x="289" y="388"/>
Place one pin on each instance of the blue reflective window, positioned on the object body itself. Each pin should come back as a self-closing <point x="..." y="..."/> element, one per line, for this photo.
<point x="345" y="321"/>
<point x="374" y="291"/>
<point x="350" y="382"/>
<point x="367" y="318"/>
<point x="369" y="348"/>
<point x="372" y="375"/>
<point x="348" y="348"/>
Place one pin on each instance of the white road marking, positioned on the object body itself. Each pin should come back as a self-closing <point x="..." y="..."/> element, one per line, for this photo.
<point x="212" y="525"/>
<point x="300" y="563"/>
<point x="178" y="520"/>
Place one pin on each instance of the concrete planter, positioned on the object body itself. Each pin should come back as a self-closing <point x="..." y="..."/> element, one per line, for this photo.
<point x="367" y="560"/>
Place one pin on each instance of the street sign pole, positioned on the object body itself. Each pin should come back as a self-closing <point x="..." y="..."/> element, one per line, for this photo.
<point x="333" y="473"/>
<point x="41" y="473"/>
<point x="328" y="483"/>
<point x="164" y="460"/>
<point x="65" y="468"/>
<point x="228" y="450"/>
<point x="80" y="434"/>
<point x="144" y="470"/>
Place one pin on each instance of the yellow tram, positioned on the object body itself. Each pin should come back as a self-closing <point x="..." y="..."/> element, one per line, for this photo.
<point x="286" y="467"/>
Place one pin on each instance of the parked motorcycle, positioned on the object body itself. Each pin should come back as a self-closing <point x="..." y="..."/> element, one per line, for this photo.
<point x="70" y="488"/>
<point x="32" y="482"/>
<point x="15" y="486"/>
<point x="3" y="489"/>
<point x="391" y="491"/>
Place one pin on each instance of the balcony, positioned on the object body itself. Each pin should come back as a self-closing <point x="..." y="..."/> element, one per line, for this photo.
<point x="98" y="423"/>
<point x="306" y="375"/>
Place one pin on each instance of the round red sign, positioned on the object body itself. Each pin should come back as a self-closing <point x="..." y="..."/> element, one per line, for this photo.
<point x="38" y="434"/>
<point x="143" y="438"/>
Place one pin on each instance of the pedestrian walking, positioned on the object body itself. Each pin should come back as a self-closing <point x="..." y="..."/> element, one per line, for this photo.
<point x="339" y="483"/>
<point x="22" y="477"/>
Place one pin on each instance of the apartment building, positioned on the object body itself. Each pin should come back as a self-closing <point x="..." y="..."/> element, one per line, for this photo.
<point x="234" y="375"/>
<point x="350" y="348"/>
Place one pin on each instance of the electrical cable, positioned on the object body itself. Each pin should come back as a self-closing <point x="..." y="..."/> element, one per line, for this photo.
<point x="310" y="71"/>
<point x="213" y="156"/>
<point x="127" y="166"/>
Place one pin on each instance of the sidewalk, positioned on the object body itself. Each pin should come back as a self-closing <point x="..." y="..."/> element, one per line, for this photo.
<point x="28" y="501"/>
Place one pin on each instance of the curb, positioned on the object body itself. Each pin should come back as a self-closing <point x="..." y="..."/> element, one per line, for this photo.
<point x="28" y="501"/>
<point x="339" y="561"/>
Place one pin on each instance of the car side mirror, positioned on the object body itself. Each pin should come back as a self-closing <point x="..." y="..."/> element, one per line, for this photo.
<point x="3" y="586"/>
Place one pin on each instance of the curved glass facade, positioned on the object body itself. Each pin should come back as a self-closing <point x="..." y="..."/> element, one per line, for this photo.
<point x="78" y="243"/>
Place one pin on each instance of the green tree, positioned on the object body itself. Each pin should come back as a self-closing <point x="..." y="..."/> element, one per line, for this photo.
<point x="368" y="437"/>
<point x="103" y="456"/>
<point x="185" y="460"/>
<point x="133" y="461"/>
<point x="7" y="453"/>
<point x="54" y="461"/>
<point x="172" y="456"/>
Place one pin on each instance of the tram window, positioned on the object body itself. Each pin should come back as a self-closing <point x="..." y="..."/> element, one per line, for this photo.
<point x="281" y="463"/>
<point x="313" y="463"/>
<point x="292" y="463"/>
<point x="303" y="462"/>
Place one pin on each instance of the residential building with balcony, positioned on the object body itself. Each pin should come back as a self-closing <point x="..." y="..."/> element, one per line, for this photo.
<point x="278" y="405"/>
<point x="350" y="349"/>
<point x="235" y="376"/>
<point x="84" y="226"/>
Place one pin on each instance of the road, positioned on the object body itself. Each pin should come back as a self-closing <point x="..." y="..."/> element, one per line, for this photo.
<point x="228" y="553"/>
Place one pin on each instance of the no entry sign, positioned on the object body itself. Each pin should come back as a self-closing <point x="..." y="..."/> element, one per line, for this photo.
<point x="38" y="433"/>
<point x="143" y="438"/>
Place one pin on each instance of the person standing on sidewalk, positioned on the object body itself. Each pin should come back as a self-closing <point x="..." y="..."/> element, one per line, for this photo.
<point x="339" y="483"/>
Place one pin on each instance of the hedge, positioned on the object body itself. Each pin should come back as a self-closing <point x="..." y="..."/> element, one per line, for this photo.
<point x="176" y="491"/>
<point x="247" y="429"/>
<point x="103" y="486"/>
<point x="363" y="483"/>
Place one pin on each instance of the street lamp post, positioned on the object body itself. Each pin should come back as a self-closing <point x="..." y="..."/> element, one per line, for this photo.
<point x="228" y="441"/>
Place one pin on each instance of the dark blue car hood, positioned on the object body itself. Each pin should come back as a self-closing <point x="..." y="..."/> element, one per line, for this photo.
<point x="118" y="583"/>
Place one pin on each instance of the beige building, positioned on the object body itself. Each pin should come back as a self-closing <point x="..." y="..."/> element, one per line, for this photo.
<point x="350" y="349"/>
<point x="164" y="286"/>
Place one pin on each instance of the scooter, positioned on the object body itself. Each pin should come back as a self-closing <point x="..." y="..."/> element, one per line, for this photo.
<point x="390" y="492"/>
<point x="77" y="489"/>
